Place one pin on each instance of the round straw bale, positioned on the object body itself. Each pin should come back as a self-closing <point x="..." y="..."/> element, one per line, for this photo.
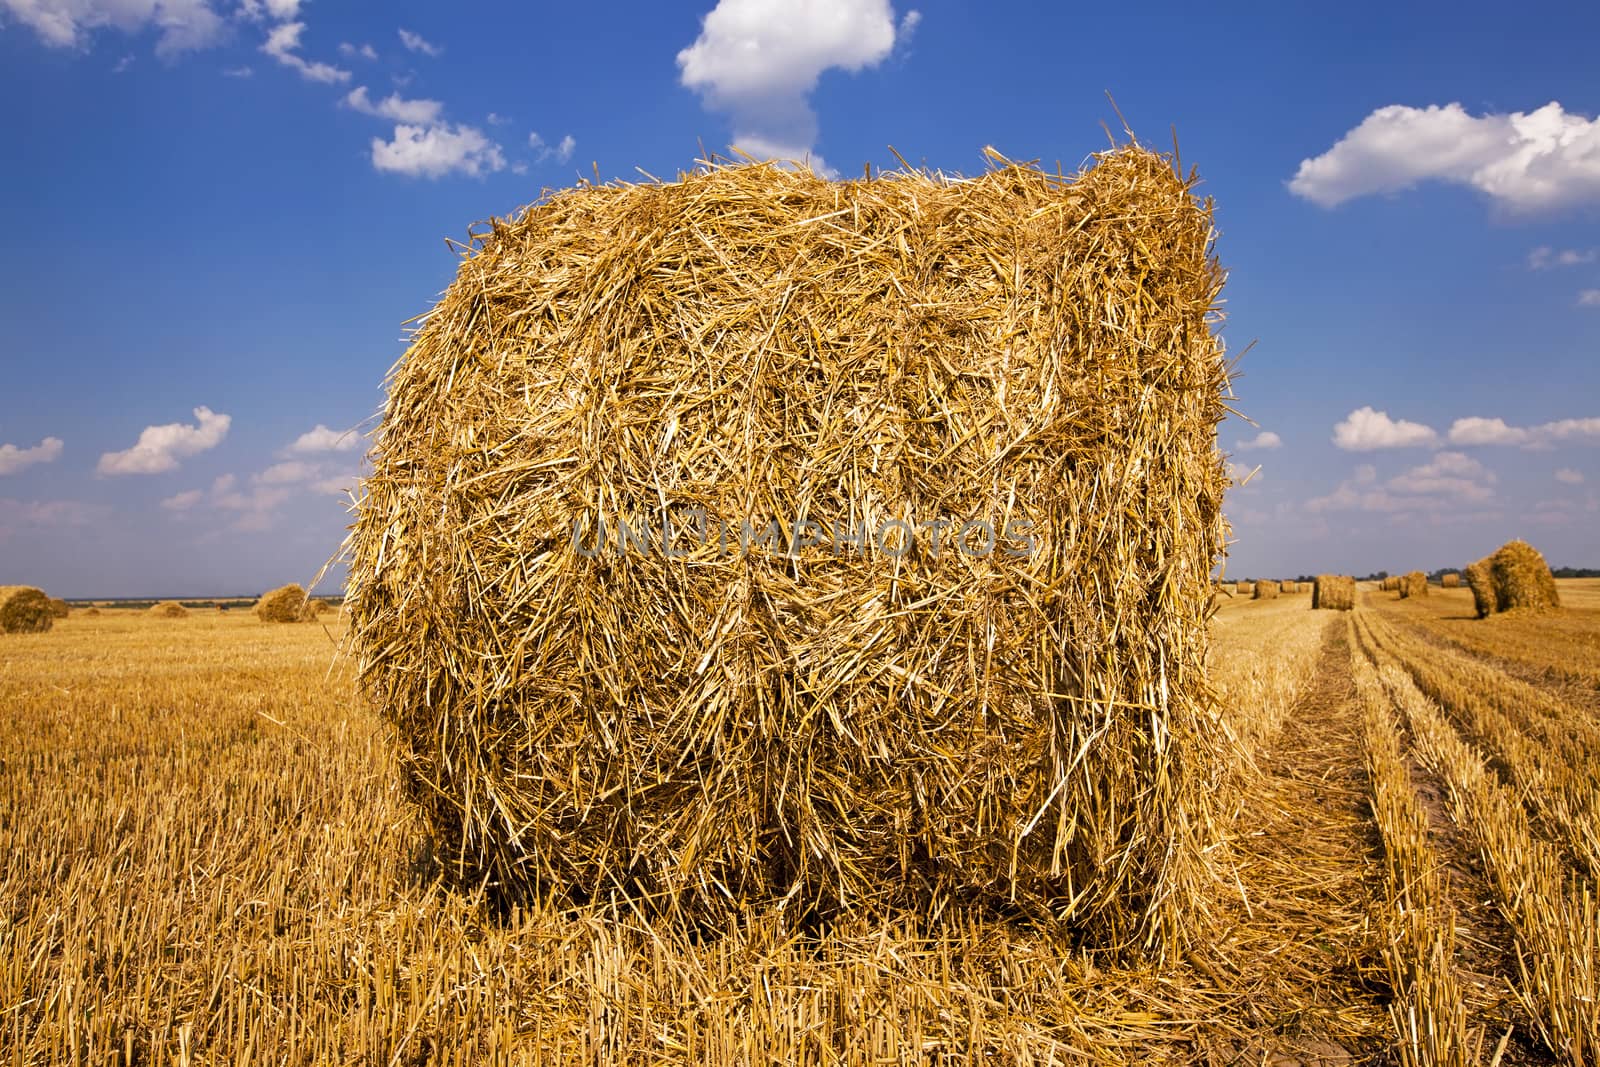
<point x="92" y="611"/>
<point x="1265" y="591"/>
<point x="1522" y="579"/>
<point x="1333" y="592"/>
<point x="1450" y="580"/>
<point x="25" y="610"/>
<point x="1246" y="588"/>
<point x="60" y="608"/>
<point x="287" y="603"/>
<point x="709" y="721"/>
<point x="169" y="609"/>
<point x="1413" y="584"/>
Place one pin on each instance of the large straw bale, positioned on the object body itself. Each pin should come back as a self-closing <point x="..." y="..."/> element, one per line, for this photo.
<point x="25" y="610"/>
<point x="287" y="603"/>
<point x="1265" y="591"/>
<point x="839" y="729"/>
<point x="1520" y="579"/>
<point x="1413" y="584"/>
<point x="1333" y="592"/>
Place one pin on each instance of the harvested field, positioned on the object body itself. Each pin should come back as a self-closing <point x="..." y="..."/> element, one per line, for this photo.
<point x="268" y="888"/>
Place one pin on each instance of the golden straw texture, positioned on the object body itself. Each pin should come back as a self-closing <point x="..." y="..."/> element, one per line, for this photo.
<point x="849" y="713"/>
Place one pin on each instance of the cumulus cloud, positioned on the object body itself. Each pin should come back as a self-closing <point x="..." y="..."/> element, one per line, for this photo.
<point x="160" y="447"/>
<point x="434" y="151"/>
<point x="354" y="51"/>
<point x="1477" y="430"/>
<point x="183" y="501"/>
<point x="321" y="439"/>
<point x="14" y="459"/>
<point x="561" y="152"/>
<point x="415" y="42"/>
<point x="1453" y="474"/>
<point x="277" y="10"/>
<point x="1524" y="161"/>
<point x="283" y="44"/>
<point x="287" y="473"/>
<point x="1365" y="430"/>
<point x="1264" y="439"/>
<point x="184" y="25"/>
<point x="395" y="107"/>
<point x="1568" y="476"/>
<point x="1545" y="258"/>
<point x="1446" y="481"/>
<point x="758" y="61"/>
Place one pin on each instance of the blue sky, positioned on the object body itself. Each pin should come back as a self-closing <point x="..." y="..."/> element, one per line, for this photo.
<point x="216" y="217"/>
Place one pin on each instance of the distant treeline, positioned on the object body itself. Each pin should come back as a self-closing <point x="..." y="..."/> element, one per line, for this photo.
<point x="1435" y="575"/>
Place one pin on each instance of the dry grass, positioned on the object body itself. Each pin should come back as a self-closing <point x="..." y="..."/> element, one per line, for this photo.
<point x="1429" y="1011"/>
<point x="1552" y="912"/>
<point x="204" y="858"/>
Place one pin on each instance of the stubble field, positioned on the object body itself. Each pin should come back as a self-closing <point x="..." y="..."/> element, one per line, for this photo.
<point x="204" y="858"/>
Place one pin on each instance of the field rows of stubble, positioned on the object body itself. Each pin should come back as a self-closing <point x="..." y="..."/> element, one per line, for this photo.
<point x="203" y="859"/>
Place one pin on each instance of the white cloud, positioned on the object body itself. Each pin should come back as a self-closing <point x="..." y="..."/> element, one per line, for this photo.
<point x="1365" y="430"/>
<point x="1544" y="257"/>
<point x="277" y="10"/>
<point x="1477" y="430"/>
<point x="1524" y="161"/>
<point x="1589" y="298"/>
<point x="184" y="25"/>
<point x="562" y="152"/>
<point x="287" y="473"/>
<point x="434" y="151"/>
<point x="908" y="26"/>
<point x="14" y="459"/>
<point x="1264" y="439"/>
<point x="237" y="72"/>
<point x="183" y="501"/>
<point x="1447" y="480"/>
<point x="283" y="44"/>
<point x="123" y="65"/>
<point x="322" y="439"/>
<point x="353" y="51"/>
<point x="415" y="42"/>
<point x="160" y="447"/>
<point x="1453" y="474"/>
<point x="1568" y="476"/>
<point x="338" y="485"/>
<point x="759" y="60"/>
<point x="393" y="106"/>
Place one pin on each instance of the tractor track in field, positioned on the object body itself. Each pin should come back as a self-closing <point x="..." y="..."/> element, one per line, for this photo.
<point x="1308" y="870"/>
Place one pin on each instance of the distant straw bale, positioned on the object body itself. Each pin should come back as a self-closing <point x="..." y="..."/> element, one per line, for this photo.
<point x="1480" y="578"/>
<point x="1450" y="580"/>
<point x="1333" y="592"/>
<point x="1514" y="577"/>
<point x="1246" y="588"/>
<point x="60" y="608"/>
<point x="92" y="611"/>
<point x="1265" y="591"/>
<point x="287" y="603"/>
<point x="699" y="726"/>
<point x="1413" y="584"/>
<point x="169" y="609"/>
<point x="25" y="610"/>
